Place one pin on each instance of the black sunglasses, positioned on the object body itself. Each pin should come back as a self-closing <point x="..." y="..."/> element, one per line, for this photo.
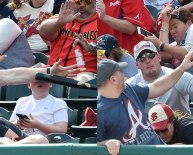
<point x="147" y="55"/>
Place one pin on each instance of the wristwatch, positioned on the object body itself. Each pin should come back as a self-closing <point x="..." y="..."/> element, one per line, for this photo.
<point x="161" y="46"/>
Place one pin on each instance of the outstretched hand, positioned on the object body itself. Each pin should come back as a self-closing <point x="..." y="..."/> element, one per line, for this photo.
<point x="59" y="70"/>
<point x="187" y="63"/>
<point x="67" y="13"/>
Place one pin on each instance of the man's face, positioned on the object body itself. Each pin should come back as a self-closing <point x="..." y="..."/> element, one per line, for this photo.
<point x="86" y="8"/>
<point x="149" y="63"/>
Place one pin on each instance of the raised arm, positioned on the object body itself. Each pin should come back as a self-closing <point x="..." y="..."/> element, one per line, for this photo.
<point x="50" y="27"/>
<point x="163" y="84"/>
<point x="118" y="24"/>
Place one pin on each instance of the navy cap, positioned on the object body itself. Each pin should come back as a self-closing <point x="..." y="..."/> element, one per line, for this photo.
<point x="107" y="42"/>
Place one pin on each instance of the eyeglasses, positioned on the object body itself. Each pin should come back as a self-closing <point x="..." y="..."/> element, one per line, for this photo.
<point x="87" y="2"/>
<point x="175" y="13"/>
<point x="147" y="55"/>
<point x="161" y="131"/>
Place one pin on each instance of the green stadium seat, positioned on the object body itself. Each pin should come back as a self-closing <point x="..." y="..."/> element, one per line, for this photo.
<point x="5" y="113"/>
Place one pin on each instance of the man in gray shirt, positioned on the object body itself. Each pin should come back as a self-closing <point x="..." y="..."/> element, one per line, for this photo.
<point x="148" y="61"/>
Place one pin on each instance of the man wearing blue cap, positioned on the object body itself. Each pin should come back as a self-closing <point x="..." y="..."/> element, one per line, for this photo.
<point x="121" y="116"/>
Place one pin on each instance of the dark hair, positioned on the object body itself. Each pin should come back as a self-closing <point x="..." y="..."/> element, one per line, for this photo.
<point x="16" y="4"/>
<point x="118" y="52"/>
<point x="182" y="14"/>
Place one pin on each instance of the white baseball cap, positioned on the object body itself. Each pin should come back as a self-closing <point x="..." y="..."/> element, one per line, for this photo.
<point x="144" y="45"/>
<point x="159" y="116"/>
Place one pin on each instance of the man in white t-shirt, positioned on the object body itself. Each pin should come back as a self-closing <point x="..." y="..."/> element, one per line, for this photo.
<point x="47" y="114"/>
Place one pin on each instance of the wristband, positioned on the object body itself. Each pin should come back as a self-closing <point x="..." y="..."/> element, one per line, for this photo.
<point x="164" y="30"/>
<point x="161" y="47"/>
<point x="48" y="70"/>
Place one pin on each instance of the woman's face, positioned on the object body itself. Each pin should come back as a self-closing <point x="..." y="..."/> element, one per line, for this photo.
<point x="167" y="133"/>
<point x="177" y="29"/>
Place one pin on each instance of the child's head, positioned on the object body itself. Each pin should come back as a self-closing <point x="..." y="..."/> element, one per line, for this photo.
<point x="40" y="88"/>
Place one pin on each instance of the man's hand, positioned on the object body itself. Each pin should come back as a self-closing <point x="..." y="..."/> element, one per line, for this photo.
<point x="67" y="13"/>
<point x="79" y="39"/>
<point x="113" y="146"/>
<point x="100" y="9"/>
<point x="57" y="69"/>
<point x="187" y="63"/>
<point x="2" y="57"/>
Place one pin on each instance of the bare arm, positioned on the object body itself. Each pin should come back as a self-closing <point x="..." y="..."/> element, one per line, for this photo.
<point x="49" y="28"/>
<point x="118" y="24"/>
<point x="26" y="75"/>
<point x="188" y="6"/>
<point x="163" y="84"/>
<point x="176" y="51"/>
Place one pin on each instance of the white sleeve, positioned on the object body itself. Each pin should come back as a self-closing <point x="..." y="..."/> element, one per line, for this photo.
<point x="9" y="31"/>
<point x="61" y="111"/>
<point x="189" y="38"/>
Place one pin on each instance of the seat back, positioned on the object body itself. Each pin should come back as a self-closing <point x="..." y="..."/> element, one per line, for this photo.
<point x="92" y="140"/>
<point x="154" y="11"/>
<point x="40" y="58"/>
<point x="82" y="93"/>
<point x="5" y="113"/>
<point x="62" y="138"/>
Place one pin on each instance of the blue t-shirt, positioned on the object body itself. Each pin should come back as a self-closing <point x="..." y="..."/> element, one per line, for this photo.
<point x="115" y="122"/>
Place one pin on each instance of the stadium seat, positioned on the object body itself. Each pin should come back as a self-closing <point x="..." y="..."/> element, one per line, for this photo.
<point x="83" y="131"/>
<point x="82" y="93"/>
<point x="92" y="140"/>
<point x="40" y="57"/>
<point x="72" y="117"/>
<point x="62" y="138"/>
<point x="154" y="11"/>
<point x="5" y="113"/>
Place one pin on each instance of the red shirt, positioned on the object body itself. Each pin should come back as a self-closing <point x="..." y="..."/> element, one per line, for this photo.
<point x="131" y="10"/>
<point x="62" y="46"/>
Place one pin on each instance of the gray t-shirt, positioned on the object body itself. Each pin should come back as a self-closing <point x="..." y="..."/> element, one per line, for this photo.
<point x="177" y="97"/>
<point x="131" y="69"/>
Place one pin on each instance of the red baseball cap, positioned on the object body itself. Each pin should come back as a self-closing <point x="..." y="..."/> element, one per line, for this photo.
<point x="159" y="116"/>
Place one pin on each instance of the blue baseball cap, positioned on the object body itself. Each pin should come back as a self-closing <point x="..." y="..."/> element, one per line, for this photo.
<point x="107" y="42"/>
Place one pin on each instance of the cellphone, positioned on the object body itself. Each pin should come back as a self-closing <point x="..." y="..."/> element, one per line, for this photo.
<point x="144" y="32"/>
<point x="22" y="116"/>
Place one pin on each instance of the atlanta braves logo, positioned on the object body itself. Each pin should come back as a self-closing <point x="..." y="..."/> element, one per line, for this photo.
<point x="154" y="116"/>
<point x="136" y="119"/>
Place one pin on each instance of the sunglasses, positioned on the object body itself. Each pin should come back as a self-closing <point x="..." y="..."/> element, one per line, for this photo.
<point x="87" y="2"/>
<point x="161" y="131"/>
<point x="147" y="55"/>
<point x="175" y="13"/>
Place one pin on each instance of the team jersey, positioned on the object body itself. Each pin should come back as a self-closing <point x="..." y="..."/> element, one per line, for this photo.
<point x="134" y="12"/>
<point x="62" y="47"/>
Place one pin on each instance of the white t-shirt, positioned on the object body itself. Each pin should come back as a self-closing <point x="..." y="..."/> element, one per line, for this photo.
<point x="29" y="20"/>
<point x="49" y="110"/>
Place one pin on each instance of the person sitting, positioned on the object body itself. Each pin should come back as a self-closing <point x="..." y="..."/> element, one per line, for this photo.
<point x="46" y="113"/>
<point x="77" y="19"/>
<point x="179" y="23"/>
<point x="14" y="44"/>
<point x="172" y="126"/>
<point x="148" y="62"/>
<point x="111" y="49"/>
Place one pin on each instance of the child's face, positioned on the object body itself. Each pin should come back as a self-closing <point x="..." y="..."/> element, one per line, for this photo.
<point x="40" y="87"/>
